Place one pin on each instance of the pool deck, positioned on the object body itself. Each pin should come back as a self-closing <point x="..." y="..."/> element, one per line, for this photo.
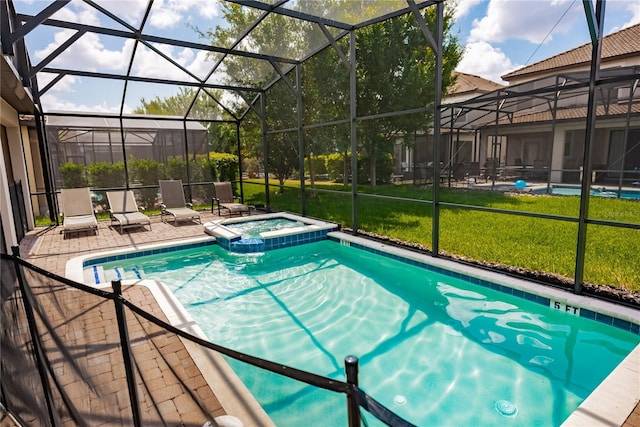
<point x="46" y="248"/>
<point x="173" y="368"/>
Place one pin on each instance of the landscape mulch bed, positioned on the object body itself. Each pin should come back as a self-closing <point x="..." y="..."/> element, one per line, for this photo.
<point x="606" y="292"/>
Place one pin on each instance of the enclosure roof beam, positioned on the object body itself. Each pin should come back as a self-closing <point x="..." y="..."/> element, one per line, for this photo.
<point x="158" y="39"/>
<point x="292" y="13"/>
<point x="396" y="14"/>
<point x="592" y="21"/>
<point x="52" y="83"/>
<point x="33" y="21"/>
<point x="331" y="40"/>
<point x="147" y="79"/>
<point x="219" y="104"/>
<point x="422" y="24"/>
<point x="330" y="22"/>
<point x="53" y="55"/>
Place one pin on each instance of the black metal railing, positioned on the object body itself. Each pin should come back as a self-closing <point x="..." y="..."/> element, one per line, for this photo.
<point x="31" y="333"/>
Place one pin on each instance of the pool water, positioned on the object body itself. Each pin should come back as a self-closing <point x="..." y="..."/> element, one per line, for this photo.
<point x="434" y="349"/>
<point x="253" y="228"/>
<point x="600" y="192"/>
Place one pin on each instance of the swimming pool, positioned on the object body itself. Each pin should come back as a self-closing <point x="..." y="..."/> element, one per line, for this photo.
<point x="426" y="341"/>
<point x="566" y="190"/>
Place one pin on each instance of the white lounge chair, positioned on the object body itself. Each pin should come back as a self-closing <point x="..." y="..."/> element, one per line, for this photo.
<point x="225" y="199"/>
<point x="173" y="203"/>
<point x="77" y="210"/>
<point x="124" y="210"/>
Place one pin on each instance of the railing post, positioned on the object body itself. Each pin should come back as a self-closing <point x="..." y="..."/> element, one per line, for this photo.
<point x="35" y="338"/>
<point x="126" y="352"/>
<point x="351" y="368"/>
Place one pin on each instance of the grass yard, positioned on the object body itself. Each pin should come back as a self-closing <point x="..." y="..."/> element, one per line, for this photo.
<point x="535" y="244"/>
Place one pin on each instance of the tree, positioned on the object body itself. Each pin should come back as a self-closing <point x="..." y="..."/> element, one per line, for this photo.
<point x="189" y="102"/>
<point x="199" y="104"/>
<point x="395" y="72"/>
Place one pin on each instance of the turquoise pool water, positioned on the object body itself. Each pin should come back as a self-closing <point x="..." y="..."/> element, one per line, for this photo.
<point x="253" y="228"/>
<point x="599" y="191"/>
<point x="434" y="349"/>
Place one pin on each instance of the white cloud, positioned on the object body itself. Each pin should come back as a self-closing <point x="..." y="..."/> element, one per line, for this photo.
<point x="529" y="20"/>
<point x="149" y="64"/>
<point x="54" y="103"/>
<point x="462" y="7"/>
<point x="131" y="11"/>
<point x="87" y="53"/>
<point x="64" y="85"/>
<point x="82" y="13"/>
<point x="482" y="59"/>
<point x="168" y="13"/>
<point x="629" y="7"/>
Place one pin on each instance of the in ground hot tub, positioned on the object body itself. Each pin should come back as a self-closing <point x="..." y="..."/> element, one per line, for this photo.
<point x="266" y="232"/>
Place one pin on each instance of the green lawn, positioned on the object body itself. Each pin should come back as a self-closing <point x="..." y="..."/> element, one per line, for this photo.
<point x="543" y="245"/>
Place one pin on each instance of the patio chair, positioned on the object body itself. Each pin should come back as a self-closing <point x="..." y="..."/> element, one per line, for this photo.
<point x="472" y="170"/>
<point x="78" y="213"/>
<point x="173" y="203"/>
<point x="124" y="211"/>
<point x="224" y="199"/>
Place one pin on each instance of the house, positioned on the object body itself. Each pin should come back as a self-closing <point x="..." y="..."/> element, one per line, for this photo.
<point x="17" y="166"/>
<point x="410" y="160"/>
<point x="539" y="119"/>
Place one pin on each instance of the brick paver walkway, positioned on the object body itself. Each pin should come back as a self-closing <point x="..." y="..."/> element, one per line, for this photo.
<point x="172" y="389"/>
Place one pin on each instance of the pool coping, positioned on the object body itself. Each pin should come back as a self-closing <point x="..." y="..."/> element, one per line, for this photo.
<point x="616" y="396"/>
<point x="230" y="391"/>
<point x="233" y="395"/>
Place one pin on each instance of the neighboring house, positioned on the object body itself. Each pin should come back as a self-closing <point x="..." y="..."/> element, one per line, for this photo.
<point x="542" y="115"/>
<point x="457" y="147"/>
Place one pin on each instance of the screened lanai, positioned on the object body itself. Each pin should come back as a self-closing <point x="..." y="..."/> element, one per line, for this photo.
<point x="280" y="86"/>
<point x="311" y="107"/>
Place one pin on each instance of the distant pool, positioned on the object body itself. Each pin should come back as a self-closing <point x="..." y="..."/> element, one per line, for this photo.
<point x="566" y="190"/>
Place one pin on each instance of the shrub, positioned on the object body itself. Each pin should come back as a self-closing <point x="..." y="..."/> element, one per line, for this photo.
<point x="335" y="165"/>
<point x="146" y="172"/>
<point x="105" y="175"/>
<point x="225" y="166"/>
<point x="73" y="176"/>
<point x="176" y="168"/>
<point x="318" y="164"/>
<point x="384" y="169"/>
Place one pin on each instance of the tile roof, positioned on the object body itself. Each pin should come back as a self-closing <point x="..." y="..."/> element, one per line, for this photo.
<point x="576" y="113"/>
<point x="469" y="83"/>
<point x="619" y="44"/>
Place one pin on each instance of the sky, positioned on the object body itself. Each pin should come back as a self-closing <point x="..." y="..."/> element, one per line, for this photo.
<point x="498" y="36"/>
<point x="503" y="35"/>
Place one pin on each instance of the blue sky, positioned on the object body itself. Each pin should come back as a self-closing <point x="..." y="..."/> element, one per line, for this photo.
<point x="498" y="35"/>
<point x="503" y="35"/>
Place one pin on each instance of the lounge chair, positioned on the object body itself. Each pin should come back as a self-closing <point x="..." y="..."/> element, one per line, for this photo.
<point x="78" y="212"/>
<point x="124" y="210"/>
<point x="224" y="199"/>
<point x="173" y="203"/>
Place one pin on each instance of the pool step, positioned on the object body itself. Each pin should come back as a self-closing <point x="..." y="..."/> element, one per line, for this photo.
<point x="94" y="274"/>
<point x="98" y="275"/>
